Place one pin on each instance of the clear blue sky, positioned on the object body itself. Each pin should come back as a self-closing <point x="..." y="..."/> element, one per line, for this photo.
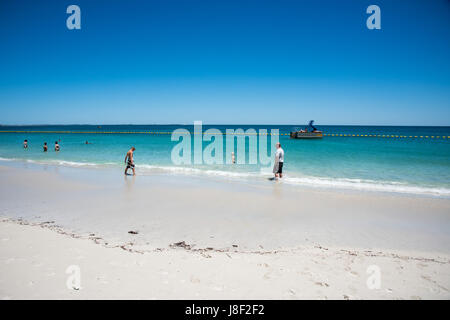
<point x="225" y="62"/>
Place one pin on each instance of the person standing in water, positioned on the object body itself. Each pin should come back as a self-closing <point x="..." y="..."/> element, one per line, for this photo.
<point x="25" y="144"/>
<point x="45" y="147"/>
<point x="56" y="146"/>
<point x="130" y="161"/>
<point x="279" y="161"/>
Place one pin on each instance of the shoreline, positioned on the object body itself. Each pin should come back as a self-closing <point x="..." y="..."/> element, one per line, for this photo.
<point x="254" y="178"/>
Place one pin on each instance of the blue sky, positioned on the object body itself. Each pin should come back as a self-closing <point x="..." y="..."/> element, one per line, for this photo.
<point x="225" y="62"/>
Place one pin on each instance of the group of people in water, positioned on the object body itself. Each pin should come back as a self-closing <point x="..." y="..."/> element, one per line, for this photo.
<point x="45" y="146"/>
<point x="129" y="160"/>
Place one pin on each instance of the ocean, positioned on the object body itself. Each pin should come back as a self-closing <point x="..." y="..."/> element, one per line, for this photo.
<point x="397" y="162"/>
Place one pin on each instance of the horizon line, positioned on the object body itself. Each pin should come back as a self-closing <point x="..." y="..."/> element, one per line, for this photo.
<point x="215" y="124"/>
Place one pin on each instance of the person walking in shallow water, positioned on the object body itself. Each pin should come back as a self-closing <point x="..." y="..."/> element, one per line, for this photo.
<point x="130" y="161"/>
<point x="57" y="146"/>
<point x="279" y="161"/>
<point x="45" y="147"/>
<point x="25" y="144"/>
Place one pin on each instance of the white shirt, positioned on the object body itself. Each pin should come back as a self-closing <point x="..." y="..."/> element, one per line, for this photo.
<point x="279" y="155"/>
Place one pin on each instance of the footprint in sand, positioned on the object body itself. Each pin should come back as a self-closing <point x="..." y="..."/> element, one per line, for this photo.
<point x="322" y="284"/>
<point x="263" y="265"/>
<point x="354" y="273"/>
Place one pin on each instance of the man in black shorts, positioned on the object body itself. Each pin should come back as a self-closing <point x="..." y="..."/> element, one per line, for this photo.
<point x="129" y="161"/>
<point x="279" y="158"/>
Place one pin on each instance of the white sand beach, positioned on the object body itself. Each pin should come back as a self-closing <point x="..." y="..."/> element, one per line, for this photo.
<point x="205" y="238"/>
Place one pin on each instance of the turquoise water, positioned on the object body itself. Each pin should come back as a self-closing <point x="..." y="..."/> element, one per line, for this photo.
<point x="408" y="165"/>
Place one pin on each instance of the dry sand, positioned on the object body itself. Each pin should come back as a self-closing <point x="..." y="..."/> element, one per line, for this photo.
<point x="33" y="264"/>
